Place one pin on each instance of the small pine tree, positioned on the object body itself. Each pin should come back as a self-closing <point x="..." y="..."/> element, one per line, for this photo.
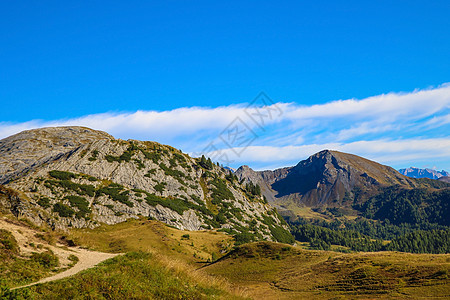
<point x="203" y="161"/>
<point x="209" y="164"/>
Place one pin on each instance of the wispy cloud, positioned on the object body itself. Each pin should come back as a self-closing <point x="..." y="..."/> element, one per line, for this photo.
<point x="393" y="128"/>
<point x="387" y="151"/>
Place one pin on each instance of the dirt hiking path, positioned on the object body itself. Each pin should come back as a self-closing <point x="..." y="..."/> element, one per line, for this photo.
<point x="25" y="235"/>
<point x="87" y="259"/>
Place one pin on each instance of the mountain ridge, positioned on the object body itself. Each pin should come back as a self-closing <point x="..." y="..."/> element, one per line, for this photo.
<point x="423" y="173"/>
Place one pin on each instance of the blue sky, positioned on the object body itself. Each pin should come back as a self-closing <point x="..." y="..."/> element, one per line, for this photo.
<point x="180" y="72"/>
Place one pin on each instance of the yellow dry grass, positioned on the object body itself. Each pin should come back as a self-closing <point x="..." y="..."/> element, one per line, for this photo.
<point x="153" y="236"/>
<point x="269" y="272"/>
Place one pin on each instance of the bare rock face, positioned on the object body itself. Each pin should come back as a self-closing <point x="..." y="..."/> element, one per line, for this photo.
<point x="23" y="151"/>
<point x="78" y="177"/>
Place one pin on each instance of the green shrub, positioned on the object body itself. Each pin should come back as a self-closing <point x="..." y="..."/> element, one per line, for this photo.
<point x="8" y="242"/>
<point x="160" y="187"/>
<point x="174" y="204"/>
<point x="139" y="163"/>
<point x="153" y="156"/>
<point x="94" y="155"/>
<point x="63" y="210"/>
<point x="114" y="192"/>
<point x="150" y="172"/>
<point x="243" y="238"/>
<point x="81" y="203"/>
<point x="61" y="175"/>
<point x="44" y="202"/>
<point x="237" y="212"/>
<point x="197" y="199"/>
<point x="281" y="235"/>
<point x="220" y="191"/>
<point x="125" y="156"/>
<point x="45" y="259"/>
<point x="74" y="259"/>
<point x="220" y="218"/>
<point x="110" y="158"/>
<point x="178" y="175"/>
<point x="87" y="189"/>
<point x="81" y="189"/>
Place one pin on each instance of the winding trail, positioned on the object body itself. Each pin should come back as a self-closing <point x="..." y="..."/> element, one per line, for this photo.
<point x="25" y="235"/>
<point x="87" y="260"/>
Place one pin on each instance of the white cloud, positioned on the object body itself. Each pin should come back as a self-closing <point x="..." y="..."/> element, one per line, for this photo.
<point x="383" y="151"/>
<point x="391" y="127"/>
<point x="415" y="105"/>
<point x="363" y="129"/>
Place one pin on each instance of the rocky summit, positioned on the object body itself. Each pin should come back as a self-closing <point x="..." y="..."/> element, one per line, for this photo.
<point x="74" y="177"/>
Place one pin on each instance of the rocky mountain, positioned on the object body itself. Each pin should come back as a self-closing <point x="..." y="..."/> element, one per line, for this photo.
<point x="78" y="177"/>
<point x="423" y="173"/>
<point x="328" y="180"/>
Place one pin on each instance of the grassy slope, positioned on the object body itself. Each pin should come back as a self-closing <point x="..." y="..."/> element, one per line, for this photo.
<point x="153" y="236"/>
<point x="161" y="264"/>
<point x="277" y="271"/>
<point x="136" y="275"/>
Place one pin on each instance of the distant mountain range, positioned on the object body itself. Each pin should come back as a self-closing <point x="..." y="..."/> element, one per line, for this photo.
<point x="423" y="173"/>
<point x="346" y="184"/>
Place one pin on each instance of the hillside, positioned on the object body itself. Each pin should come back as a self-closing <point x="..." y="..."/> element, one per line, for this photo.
<point x="75" y="177"/>
<point x="277" y="271"/>
<point x="445" y="179"/>
<point x="155" y="262"/>
<point x="161" y="262"/>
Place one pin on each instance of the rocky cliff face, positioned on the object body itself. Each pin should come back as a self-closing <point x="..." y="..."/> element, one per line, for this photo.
<point x="325" y="180"/>
<point x="77" y="177"/>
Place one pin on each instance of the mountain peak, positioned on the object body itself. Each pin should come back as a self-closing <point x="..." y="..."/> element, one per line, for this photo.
<point x="59" y="133"/>
<point x="325" y="178"/>
<point x="244" y="168"/>
<point x="19" y="152"/>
